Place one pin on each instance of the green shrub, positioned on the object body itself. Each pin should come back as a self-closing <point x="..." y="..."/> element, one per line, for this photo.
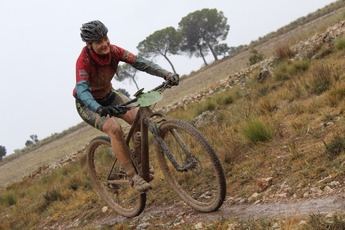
<point x="257" y="131"/>
<point x="285" y="70"/>
<point x="52" y="196"/>
<point x="8" y="199"/>
<point x="207" y="106"/>
<point x="335" y="147"/>
<point x="321" y="79"/>
<point x="340" y="43"/>
<point x="281" y="72"/>
<point x="74" y="184"/>
<point x="263" y="91"/>
<point x="283" y="52"/>
<point x="300" y="66"/>
<point x="255" y="57"/>
<point x="225" y="100"/>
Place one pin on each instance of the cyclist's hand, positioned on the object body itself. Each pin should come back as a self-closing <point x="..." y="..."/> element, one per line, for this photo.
<point x="173" y="79"/>
<point x="110" y="110"/>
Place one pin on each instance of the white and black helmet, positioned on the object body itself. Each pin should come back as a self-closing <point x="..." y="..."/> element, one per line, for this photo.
<point x="93" y="31"/>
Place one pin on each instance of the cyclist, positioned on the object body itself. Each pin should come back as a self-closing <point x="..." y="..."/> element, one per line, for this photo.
<point x="97" y="102"/>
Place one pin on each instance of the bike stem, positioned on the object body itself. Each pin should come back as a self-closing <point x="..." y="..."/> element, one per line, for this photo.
<point x="163" y="85"/>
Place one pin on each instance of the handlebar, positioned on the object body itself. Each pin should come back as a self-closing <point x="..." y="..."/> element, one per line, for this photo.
<point x="160" y="88"/>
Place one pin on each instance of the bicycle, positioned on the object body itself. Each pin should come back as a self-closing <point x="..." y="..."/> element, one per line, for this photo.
<point x="188" y="162"/>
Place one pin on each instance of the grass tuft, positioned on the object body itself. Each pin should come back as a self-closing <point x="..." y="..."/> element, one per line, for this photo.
<point x="283" y="51"/>
<point x="319" y="222"/>
<point x="321" y="79"/>
<point x="255" y="57"/>
<point x="257" y="131"/>
<point x="8" y="199"/>
<point x="340" y="43"/>
<point x="335" y="147"/>
<point x="285" y="70"/>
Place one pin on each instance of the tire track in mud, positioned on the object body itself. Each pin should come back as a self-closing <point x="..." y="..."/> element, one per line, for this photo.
<point x="281" y="209"/>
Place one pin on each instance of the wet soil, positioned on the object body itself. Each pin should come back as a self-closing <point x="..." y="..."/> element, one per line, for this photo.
<point x="180" y="213"/>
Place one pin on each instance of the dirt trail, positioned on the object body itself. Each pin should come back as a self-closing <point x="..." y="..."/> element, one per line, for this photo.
<point x="180" y="213"/>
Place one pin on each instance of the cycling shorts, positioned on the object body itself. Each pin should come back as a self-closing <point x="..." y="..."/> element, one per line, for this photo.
<point x="93" y="118"/>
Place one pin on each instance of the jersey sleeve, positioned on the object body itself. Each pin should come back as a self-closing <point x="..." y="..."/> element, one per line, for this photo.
<point x="140" y="63"/>
<point x="149" y="67"/>
<point x="83" y="91"/>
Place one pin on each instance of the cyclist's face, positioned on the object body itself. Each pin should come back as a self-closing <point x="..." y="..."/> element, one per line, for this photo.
<point x="101" y="47"/>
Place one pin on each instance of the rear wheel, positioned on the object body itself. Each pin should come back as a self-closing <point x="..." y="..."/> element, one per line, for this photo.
<point x="193" y="168"/>
<point x="110" y="181"/>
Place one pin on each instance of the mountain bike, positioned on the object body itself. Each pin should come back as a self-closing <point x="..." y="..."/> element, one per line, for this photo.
<point x="188" y="162"/>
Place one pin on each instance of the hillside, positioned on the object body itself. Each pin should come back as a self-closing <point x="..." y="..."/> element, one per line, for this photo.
<point x="277" y="125"/>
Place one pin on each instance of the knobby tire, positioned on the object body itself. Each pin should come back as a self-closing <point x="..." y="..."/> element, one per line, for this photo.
<point x="99" y="184"/>
<point x="170" y="172"/>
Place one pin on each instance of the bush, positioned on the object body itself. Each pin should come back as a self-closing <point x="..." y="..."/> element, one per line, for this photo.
<point x="286" y="70"/>
<point x="321" y="79"/>
<point x="340" y="43"/>
<point x="257" y="131"/>
<point x="226" y="100"/>
<point x="208" y="106"/>
<point x="51" y="196"/>
<point x="255" y="57"/>
<point x="8" y="199"/>
<point x="336" y="95"/>
<point x="335" y="147"/>
<point x="300" y="66"/>
<point x="283" y="52"/>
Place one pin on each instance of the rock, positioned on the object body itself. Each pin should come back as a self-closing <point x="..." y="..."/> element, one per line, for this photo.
<point x="306" y="195"/>
<point x="143" y="226"/>
<point x="206" y="195"/>
<point x="275" y="226"/>
<point x="334" y="184"/>
<point x="328" y="189"/>
<point x="329" y="216"/>
<point x="263" y="75"/>
<point x="324" y="179"/>
<point x="232" y="226"/>
<point x="257" y="202"/>
<point x="242" y="201"/>
<point x="302" y="222"/>
<point x="104" y="209"/>
<point x="205" y="118"/>
<point x="264" y="183"/>
<point x="199" y="226"/>
<point x="253" y="197"/>
<point x="282" y="195"/>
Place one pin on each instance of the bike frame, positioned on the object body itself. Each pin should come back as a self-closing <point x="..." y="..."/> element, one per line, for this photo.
<point x="142" y="122"/>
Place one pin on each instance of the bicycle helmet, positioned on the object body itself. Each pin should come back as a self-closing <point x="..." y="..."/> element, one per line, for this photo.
<point x="93" y="31"/>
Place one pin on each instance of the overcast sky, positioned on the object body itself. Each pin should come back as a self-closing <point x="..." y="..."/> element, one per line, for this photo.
<point x="40" y="43"/>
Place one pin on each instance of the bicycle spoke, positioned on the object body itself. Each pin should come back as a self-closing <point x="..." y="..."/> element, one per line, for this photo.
<point x="181" y="143"/>
<point x="111" y="181"/>
<point x="202" y="182"/>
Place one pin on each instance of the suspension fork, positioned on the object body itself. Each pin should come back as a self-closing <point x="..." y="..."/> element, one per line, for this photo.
<point x="190" y="161"/>
<point x="145" y="159"/>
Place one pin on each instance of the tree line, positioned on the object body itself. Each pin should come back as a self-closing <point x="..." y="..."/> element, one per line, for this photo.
<point x="198" y="34"/>
<point x="32" y="141"/>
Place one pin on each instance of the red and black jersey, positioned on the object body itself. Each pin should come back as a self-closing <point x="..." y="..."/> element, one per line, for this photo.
<point x="94" y="73"/>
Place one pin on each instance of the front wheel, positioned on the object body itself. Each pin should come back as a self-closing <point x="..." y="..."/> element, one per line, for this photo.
<point x="190" y="165"/>
<point x="110" y="181"/>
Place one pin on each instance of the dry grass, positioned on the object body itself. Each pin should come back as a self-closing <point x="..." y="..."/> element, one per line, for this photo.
<point x="283" y="51"/>
<point x="294" y="107"/>
<point x="245" y="159"/>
